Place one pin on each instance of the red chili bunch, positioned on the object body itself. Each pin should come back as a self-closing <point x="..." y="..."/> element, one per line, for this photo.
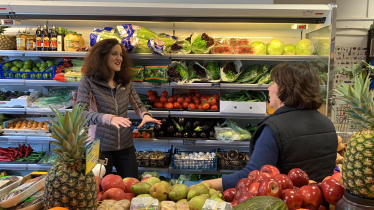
<point x="12" y="153"/>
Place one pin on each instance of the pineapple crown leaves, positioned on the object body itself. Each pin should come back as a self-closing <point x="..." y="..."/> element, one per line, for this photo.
<point x="360" y="98"/>
<point x="70" y="133"/>
<point x="2" y="29"/>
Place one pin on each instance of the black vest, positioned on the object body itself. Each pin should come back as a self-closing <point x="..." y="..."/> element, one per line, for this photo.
<point x="306" y="139"/>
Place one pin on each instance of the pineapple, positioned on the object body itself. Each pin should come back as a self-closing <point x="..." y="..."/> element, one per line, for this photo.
<point x="7" y="42"/>
<point x="66" y="184"/>
<point x="358" y="169"/>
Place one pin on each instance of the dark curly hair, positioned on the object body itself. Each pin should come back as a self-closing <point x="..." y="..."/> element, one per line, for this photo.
<point x="96" y="65"/>
<point x="298" y="86"/>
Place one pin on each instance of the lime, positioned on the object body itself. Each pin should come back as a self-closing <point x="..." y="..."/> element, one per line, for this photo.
<point x="8" y="65"/>
<point x="41" y="69"/>
<point x="22" y="69"/>
<point x="35" y="69"/>
<point x="14" y="68"/>
<point x="19" y="65"/>
<point x="44" y="65"/>
<point x="27" y="62"/>
<point x="15" y="62"/>
<point x="50" y="64"/>
<point x="38" y="65"/>
<point x="27" y="70"/>
<point x="27" y="66"/>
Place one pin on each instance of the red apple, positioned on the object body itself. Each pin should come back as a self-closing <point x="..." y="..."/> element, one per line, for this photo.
<point x="114" y="194"/>
<point x="284" y="181"/>
<point x="270" y="187"/>
<point x="234" y="203"/>
<point x="145" y="179"/>
<point x="229" y="194"/>
<point x="292" y="199"/>
<point x="237" y="195"/>
<point x="332" y="191"/>
<point x="99" y="196"/>
<point x="112" y="181"/>
<point x="298" y="177"/>
<point x="129" y="196"/>
<point x="312" y="197"/>
<point x="129" y="182"/>
<point x="338" y="177"/>
<point x="245" y="196"/>
<point x="261" y="177"/>
<point x="253" y="175"/>
<point x="326" y="178"/>
<point x="272" y="170"/>
<point x="99" y="185"/>
<point x="243" y="183"/>
<point x="321" y="208"/>
<point x="253" y="188"/>
<point x="296" y="189"/>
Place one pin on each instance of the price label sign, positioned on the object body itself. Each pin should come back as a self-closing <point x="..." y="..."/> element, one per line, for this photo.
<point x="215" y="85"/>
<point x="188" y="142"/>
<point x="156" y="85"/>
<point x="92" y="154"/>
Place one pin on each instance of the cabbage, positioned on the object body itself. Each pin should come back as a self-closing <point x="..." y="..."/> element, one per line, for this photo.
<point x="289" y="49"/>
<point x="323" y="47"/>
<point x="304" y="47"/>
<point x="275" y="47"/>
<point x="258" y="48"/>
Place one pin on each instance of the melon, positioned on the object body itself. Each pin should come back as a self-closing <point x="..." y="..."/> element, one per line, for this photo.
<point x="262" y="202"/>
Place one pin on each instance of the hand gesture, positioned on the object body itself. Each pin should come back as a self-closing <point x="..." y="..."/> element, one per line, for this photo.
<point x="148" y="119"/>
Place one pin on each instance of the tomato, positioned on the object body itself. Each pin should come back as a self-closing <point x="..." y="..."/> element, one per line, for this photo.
<point x="204" y="96"/>
<point x="155" y="93"/>
<point x="198" y="94"/>
<point x="197" y="101"/>
<point x="206" y="106"/>
<point x="157" y="100"/>
<point x="152" y="98"/>
<point x="164" y="93"/>
<point x="212" y="101"/>
<point x="176" y="105"/>
<point x="203" y="100"/>
<point x="187" y="99"/>
<point x="184" y="95"/>
<point x="163" y="99"/>
<point x="191" y="106"/>
<point x="149" y="92"/>
<point x="177" y="94"/>
<point x="170" y="100"/>
<point x="145" y="135"/>
<point x="200" y="107"/>
<point x="185" y="105"/>
<point x="180" y="100"/>
<point x="216" y="96"/>
<point x="192" y="91"/>
<point x="159" y="105"/>
<point x="214" y="107"/>
<point x="195" y="98"/>
<point x="169" y="106"/>
<point x="133" y="135"/>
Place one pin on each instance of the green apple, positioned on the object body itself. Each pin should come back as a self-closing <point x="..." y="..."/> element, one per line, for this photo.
<point x="19" y="65"/>
<point x="41" y="68"/>
<point x="27" y="66"/>
<point x="35" y="69"/>
<point x="38" y="65"/>
<point x="22" y="69"/>
<point x="14" y="68"/>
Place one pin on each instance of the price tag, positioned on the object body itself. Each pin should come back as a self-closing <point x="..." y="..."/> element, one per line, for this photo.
<point x="215" y="85"/>
<point x="188" y="142"/>
<point x="156" y="85"/>
<point x="92" y="154"/>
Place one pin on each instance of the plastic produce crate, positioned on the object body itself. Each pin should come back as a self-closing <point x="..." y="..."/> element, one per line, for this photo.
<point x="47" y="74"/>
<point x="227" y="163"/>
<point x="154" y="163"/>
<point x="193" y="164"/>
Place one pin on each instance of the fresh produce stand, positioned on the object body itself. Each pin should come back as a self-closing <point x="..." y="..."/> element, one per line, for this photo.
<point x="203" y="70"/>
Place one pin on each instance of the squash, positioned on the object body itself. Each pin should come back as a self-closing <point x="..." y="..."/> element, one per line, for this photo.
<point x="263" y="203"/>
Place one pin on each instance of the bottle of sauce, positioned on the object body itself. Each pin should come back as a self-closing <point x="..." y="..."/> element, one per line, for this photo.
<point x="21" y="40"/>
<point x="38" y="39"/>
<point x="30" y="45"/>
<point x="60" y="39"/>
<point x="45" y="39"/>
<point x="53" y="38"/>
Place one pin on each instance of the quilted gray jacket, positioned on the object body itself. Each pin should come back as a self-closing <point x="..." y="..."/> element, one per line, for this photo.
<point x="103" y="103"/>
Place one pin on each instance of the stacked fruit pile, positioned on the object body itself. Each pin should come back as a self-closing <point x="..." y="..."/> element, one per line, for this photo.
<point x="18" y="69"/>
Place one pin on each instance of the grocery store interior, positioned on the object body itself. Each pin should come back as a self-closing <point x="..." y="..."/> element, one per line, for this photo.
<point x="201" y="67"/>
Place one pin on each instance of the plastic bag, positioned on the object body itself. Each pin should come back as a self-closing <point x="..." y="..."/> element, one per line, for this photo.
<point x="130" y="30"/>
<point x="138" y="73"/>
<point x="156" y="46"/>
<point x="243" y="134"/>
<point x="105" y="33"/>
<point x="142" y="47"/>
<point x="114" y="205"/>
<point x="150" y="174"/>
<point x="233" y="132"/>
<point x="197" y="72"/>
<point x="130" y="43"/>
<point x="156" y="74"/>
<point x="178" y="72"/>
<point x="201" y="43"/>
<point x="182" y="47"/>
<point x="230" y="71"/>
<point x="213" y="70"/>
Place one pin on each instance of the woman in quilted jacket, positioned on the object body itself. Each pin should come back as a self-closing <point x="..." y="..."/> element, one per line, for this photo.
<point x="106" y="91"/>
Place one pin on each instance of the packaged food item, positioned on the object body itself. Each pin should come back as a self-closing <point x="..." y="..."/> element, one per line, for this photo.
<point x="81" y="40"/>
<point x="156" y="74"/>
<point x="182" y="206"/>
<point x="230" y="71"/>
<point x="130" y="30"/>
<point x="114" y="205"/>
<point x="183" y="47"/>
<point x="144" y="203"/>
<point x="106" y="33"/>
<point x="211" y="204"/>
<point x="239" y="42"/>
<point x="130" y="43"/>
<point x="178" y="72"/>
<point x="168" y="40"/>
<point x="30" y="44"/>
<point x="197" y="72"/>
<point x="138" y="73"/>
<point x="71" y="41"/>
<point x="156" y="46"/>
<point x="201" y="43"/>
<point x="35" y="201"/>
<point x="21" y="40"/>
<point x="243" y="50"/>
<point x="168" y="205"/>
<point x="212" y="68"/>
<point x="222" y="50"/>
<point x="7" y="180"/>
<point x="142" y="47"/>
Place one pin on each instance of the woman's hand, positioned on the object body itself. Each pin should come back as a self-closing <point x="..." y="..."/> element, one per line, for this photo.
<point x="217" y="183"/>
<point x="120" y="121"/>
<point x="148" y="119"/>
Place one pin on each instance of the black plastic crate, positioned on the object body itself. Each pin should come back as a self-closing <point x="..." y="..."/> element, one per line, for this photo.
<point x="181" y="163"/>
<point x="154" y="163"/>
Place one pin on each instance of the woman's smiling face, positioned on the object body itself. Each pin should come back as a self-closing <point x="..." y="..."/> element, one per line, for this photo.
<point x="115" y="58"/>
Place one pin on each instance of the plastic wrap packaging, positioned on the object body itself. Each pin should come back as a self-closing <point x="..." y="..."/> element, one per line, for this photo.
<point x="150" y="174"/>
<point x="105" y="33"/>
<point x="138" y="73"/>
<point x="182" y="206"/>
<point x="230" y="71"/>
<point x="178" y="72"/>
<point x="114" y="205"/>
<point x="156" y="74"/>
<point x="36" y="201"/>
<point x="181" y="47"/>
<point x="231" y="133"/>
<point x="156" y="46"/>
<point x="197" y="72"/>
<point x="168" y="205"/>
<point x="130" y="43"/>
<point x="142" y="47"/>
<point x="144" y="203"/>
<point x="216" y="205"/>
<point x="7" y="180"/>
<point x="213" y="70"/>
<point x="201" y="43"/>
<point x="131" y="30"/>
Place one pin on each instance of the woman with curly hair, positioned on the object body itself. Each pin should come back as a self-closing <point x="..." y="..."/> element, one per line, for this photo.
<point x="106" y="90"/>
<point x="297" y="135"/>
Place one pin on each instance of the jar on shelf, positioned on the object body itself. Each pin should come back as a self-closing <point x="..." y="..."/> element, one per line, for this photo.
<point x="71" y="41"/>
<point x="30" y="43"/>
<point x="21" y="40"/>
<point x="81" y="40"/>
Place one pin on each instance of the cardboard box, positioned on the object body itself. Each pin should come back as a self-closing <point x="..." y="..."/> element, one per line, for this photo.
<point x="242" y="107"/>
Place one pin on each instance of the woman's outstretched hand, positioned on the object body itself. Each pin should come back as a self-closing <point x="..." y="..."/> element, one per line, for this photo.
<point x="149" y="119"/>
<point x="120" y="121"/>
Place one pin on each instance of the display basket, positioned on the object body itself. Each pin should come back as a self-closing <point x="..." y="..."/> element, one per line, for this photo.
<point x="47" y="74"/>
<point x="154" y="163"/>
<point x="227" y="163"/>
<point x="182" y="163"/>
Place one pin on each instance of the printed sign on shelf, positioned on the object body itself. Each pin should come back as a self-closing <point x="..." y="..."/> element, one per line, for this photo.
<point x="92" y="154"/>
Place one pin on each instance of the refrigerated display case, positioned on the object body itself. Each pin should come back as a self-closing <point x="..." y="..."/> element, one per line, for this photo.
<point x="250" y="22"/>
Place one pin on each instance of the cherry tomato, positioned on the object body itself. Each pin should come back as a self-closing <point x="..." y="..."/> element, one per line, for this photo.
<point x="216" y="96"/>
<point x="192" y="91"/>
<point x="204" y="96"/>
<point x="164" y="93"/>
<point x="198" y="94"/>
<point x="149" y="92"/>
<point x="176" y="105"/>
<point x="206" y="106"/>
<point x="214" y="107"/>
<point x="169" y="106"/>
<point x="197" y="101"/>
<point x="185" y="105"/>
<point x="212" y="101"/>
<point x="155" y="93"/>
<point x="170" y="100"/>
<point x="163" y="99"/>
<point x="145" y="135"/>
<point x="184" y="95"/>
<point x="159" y="105"/>
<point x="191" y="106"/>
<point x="195" y="98"/>
<point x="203" y="100"/>
<point x="152" y="98"/>
<point x="187" y="99"/>
<point x="157" y="100"/>
<point x="200" y="107"/>
<point x="180" y="100"/>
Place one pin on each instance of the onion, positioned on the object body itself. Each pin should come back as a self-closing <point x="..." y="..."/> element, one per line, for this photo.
<point x="96" y="170"/>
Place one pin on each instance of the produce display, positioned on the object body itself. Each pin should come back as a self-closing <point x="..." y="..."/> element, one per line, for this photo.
<point x="7" y="42"/>
<point x="28" y="69"/>
<point x="232" y="160"/>
<point x="22" y="123"/>
<point x="156" y="74"/>
<point x="7" y="180"/>
<point x="192" y="101"/>
<point x="244" y="96"/>
<point x="12" y="154"/>
<point x="152" y="159"/>
<point x="59" y="98"/>
<point x="194" y="160"/>
<point x="8" y="95"/>
<point x="259" y="73"/>
<point x="230" y="131"/>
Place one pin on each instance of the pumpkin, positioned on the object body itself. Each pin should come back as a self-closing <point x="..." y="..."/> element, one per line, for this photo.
<point x="262" y="202"/>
